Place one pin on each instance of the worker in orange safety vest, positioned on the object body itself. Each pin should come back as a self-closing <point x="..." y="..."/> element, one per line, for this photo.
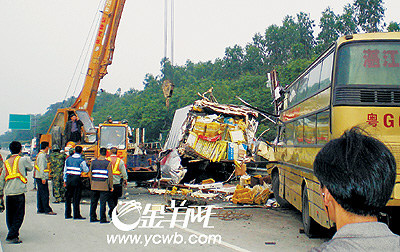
<point x="120" y="177"/>
<point x="13" y="182"/>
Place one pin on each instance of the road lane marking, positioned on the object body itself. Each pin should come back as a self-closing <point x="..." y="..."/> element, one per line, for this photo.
<point x="225" y="244"/>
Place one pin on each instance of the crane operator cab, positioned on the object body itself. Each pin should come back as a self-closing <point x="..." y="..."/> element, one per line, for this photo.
<point x="57" y="132"/>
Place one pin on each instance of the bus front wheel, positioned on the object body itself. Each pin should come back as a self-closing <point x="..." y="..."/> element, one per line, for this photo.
<point x="275" y="188"/>
<point x="311" y="227"/>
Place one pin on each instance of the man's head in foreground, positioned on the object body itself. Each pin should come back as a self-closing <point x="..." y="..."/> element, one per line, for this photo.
<point x="15" y="147"/>
<point x="357" y="174"/>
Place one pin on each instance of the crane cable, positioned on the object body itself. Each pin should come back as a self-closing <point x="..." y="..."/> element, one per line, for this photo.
<point x="166" y="29"/>
<point x="89" y="37"/>
<point x="95" y="23"/>
<point x="172" y="32"/>
<point x="167" y="85"/>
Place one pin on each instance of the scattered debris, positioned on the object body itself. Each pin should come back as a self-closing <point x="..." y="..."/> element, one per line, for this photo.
<point x="171" y="168"/>
<point x="272" y="203"/>
<point x="208" y="181"/>
<point x="218" y="185"/>
<point x="156" y="191"/>
<point x="237" y="206"/>
<point x="199" y="194"/>
<point x="257" y="195"/>
<point x="207" y="132"/>
<point x="229" y="215"/>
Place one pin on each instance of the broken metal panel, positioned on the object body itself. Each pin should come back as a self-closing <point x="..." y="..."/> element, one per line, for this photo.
<point x="177" y="129"/>
<point x="226" y="109"/>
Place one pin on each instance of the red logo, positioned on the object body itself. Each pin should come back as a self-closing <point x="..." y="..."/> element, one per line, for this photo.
<point x="392" y="60"/>
<point x="372" y="119"/>
<point x="372" y="59"/>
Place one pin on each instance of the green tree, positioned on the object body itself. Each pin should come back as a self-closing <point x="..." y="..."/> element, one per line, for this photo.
<point x="275" y="45"/>
<point x="305" y="34"/>
<point x="347" y="22"/>
<point x="294" y="39"/>
<point x="233" y="61"/>
<point x="370" y="15"/>
<point x="328" y="24"/>
<point x="329" y="32"/>
<point x="393" y="27"/>
<point x="253" y="60"/>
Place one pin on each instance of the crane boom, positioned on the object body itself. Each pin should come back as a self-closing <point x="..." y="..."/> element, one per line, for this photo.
<point x="102" y="54"/>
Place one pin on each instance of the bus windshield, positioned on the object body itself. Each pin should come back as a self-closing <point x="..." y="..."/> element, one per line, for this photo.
<point x="113" y="136"/>
<point x="369" y="63"/>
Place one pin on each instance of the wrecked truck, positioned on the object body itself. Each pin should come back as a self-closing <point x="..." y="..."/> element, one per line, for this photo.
<point x="208" y="140"/>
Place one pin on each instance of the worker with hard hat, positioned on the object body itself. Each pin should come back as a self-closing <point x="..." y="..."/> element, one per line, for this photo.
<point x="69" y="148"/>
<point x="109" y="120"/>
<point x="13" y="180"/>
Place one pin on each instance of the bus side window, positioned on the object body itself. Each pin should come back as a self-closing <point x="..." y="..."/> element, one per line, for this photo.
<point x="313" y="82"/>
<point x="289" y="134"/>
<point x="302" y="89"/>
<point x="299" y="131"/>
<point x="292" y="94"/>
<point x="326" y="72"/>
<point x="310" y="130"/>
<point x="282" y="135"/>
<point x="323" y="127"/>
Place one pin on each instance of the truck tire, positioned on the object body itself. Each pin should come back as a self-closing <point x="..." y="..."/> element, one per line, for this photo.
<point x="275" y="188"/>
<point x="311" y="227"/>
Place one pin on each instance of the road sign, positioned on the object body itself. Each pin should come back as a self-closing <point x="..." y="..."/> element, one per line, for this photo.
<point x="19" y="122"/>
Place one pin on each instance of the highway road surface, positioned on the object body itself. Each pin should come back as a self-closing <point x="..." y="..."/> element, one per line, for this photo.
<point x="262" y="229"/>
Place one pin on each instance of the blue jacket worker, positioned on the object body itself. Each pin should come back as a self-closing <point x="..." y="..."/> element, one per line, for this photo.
<point x="74" y="166"/>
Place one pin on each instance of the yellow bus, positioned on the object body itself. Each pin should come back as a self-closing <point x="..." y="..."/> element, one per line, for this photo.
<point x="355" y="82"/>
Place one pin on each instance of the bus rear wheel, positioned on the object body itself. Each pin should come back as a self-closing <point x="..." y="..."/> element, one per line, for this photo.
<point x="311" y="227"/>
<point x="275" y="188"/>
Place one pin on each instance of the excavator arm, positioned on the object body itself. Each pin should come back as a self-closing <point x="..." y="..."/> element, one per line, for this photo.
<point x="102" y="54"/>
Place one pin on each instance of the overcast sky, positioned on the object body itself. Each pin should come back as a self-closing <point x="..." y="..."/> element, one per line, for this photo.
<point x="42" y="40"/>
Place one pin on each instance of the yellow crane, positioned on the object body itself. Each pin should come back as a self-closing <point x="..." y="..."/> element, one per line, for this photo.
<point x="101" y="57"/>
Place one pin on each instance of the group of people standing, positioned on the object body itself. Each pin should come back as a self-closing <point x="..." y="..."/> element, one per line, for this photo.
<point x="107" y="176"/>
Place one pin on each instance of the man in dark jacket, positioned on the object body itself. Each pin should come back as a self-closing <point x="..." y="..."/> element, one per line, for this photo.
<point x="73" y="129"/>
<point x="74" y="166"/>
<point x="101" y="183"/>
